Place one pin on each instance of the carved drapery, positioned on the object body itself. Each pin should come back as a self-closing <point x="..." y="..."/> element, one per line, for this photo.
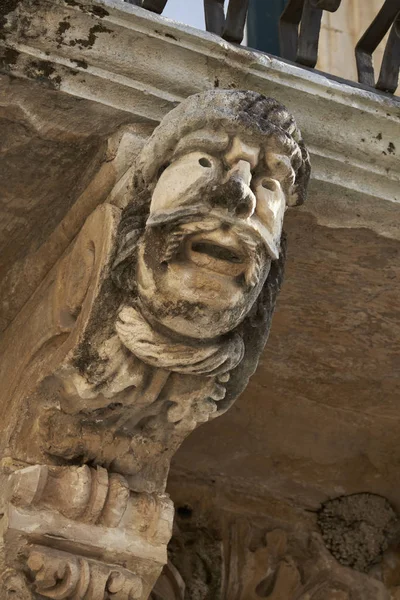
<point x="150" y="324"/>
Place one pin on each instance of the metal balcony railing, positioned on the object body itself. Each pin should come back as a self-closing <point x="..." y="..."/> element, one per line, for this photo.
<point x="299" y="31"/>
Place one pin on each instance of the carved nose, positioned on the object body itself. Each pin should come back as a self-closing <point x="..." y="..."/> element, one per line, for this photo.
<point x="241" y="170"/>
<point x="245" y="206"/>
<point x="246" y="202"/>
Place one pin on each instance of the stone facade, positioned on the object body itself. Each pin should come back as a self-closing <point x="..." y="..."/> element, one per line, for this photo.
<point x="143" y="200"/>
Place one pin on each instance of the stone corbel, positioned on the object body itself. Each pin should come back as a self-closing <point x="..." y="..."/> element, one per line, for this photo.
<point x="150" y="325"/>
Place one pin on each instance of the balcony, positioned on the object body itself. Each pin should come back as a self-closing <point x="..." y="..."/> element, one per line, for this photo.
<point x="83" y="85"/>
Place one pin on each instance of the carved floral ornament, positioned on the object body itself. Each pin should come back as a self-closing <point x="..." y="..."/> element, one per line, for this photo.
<point x="149" y="326"/>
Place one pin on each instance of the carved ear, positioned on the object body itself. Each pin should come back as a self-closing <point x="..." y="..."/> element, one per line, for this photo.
<point x="255" y="330"/>
<point x="302" y="178"/>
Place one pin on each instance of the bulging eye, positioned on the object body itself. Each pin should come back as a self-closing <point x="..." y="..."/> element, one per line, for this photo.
<point x="182" y="180"/>
<point x="204" y="162"/>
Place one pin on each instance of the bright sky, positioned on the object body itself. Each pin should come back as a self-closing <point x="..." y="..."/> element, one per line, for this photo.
<point x="190" y="12"/>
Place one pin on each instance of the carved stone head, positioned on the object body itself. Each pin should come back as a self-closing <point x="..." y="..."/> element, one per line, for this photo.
<point x="203" y="233"/>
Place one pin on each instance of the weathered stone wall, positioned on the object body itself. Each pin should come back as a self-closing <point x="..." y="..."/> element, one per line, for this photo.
<point x="85" y="83"/>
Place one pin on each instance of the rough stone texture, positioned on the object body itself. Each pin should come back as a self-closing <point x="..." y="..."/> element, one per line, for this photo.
<point x="357" y="529"/>
<point x="356" y="164"/>
<point x="196" y="550"/>
<point x="320" y="417"/>
<point x="59" y="158"/>
<point x="229" y="545"/>
<point x="94" y="515"/>
<point x="150" y="324"/>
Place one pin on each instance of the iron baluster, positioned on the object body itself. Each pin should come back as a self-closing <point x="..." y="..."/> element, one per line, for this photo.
<point x="156" y="6"/>
<point x="299" y="31"/>
<point x="214" y="16"/>
<point x="371" y="40"/>
<point x="289" y="29"/>
<point x="330" y="5"/>
<point x="302" y="47"/>
<point x="307" y="47"/>
<point x="389" y="75"/>
<point x="235" y="20"/>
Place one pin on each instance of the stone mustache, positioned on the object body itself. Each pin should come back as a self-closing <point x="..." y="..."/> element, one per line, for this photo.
<point x="151" y="324"/>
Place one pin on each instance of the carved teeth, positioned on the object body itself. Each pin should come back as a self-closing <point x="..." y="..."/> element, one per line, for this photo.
<point x="176" y="238"/>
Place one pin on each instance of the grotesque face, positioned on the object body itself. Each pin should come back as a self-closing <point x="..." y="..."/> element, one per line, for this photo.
<point x="214" y="226"/>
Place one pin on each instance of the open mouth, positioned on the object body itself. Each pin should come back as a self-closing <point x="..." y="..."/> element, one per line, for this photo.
<point x="216" y="251"/>
<point x="219" y="252"/>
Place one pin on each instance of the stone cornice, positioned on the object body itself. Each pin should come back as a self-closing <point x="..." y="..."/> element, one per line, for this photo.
<point x="128" y="58"/>
<point x="153" y="319"/>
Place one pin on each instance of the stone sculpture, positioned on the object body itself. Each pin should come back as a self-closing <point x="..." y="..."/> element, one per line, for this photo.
<point x="151" y="324"/>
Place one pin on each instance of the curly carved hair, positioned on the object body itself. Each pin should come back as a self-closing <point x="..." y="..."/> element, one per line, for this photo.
<point x="254" y="116"/>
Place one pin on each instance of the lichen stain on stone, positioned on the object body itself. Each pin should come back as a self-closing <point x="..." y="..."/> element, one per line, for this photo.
<point x="92" y="37"/>
<point x="391" y="148"/>
<point x="63" y="26"/>
<point x="98" y="11"/>
<point x="167" y="35"/>
<point x="357" y="529"/>
<point x="80" y="63"/>
<point x="8" y="58"/>
<point x="6" y="7"/>
<point x="43" y="71"/>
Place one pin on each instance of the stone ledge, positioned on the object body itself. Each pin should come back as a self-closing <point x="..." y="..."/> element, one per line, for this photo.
<point x="125" y="57"/>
